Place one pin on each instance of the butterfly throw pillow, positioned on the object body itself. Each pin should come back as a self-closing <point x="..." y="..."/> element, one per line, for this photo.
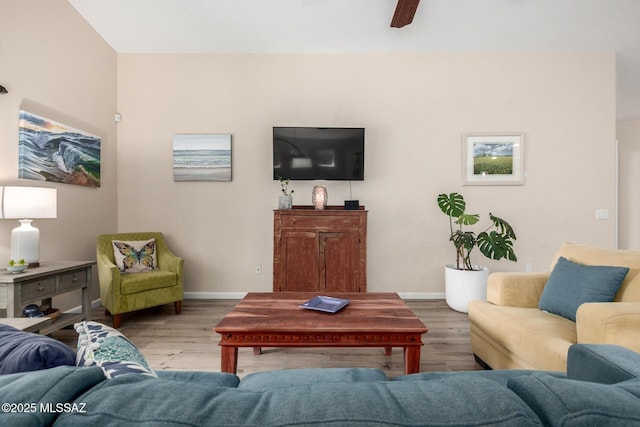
<point x="135" y="256"/>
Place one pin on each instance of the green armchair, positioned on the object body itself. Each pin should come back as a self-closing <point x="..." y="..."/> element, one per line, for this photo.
<point x="126" y="292"/>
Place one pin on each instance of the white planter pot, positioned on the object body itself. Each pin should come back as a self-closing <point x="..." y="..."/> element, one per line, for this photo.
<point x="462" y="286"/>
<point x="285" y="202"/>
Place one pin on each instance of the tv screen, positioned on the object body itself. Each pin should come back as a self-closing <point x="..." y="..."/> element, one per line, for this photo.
<point x="308" y="153"/>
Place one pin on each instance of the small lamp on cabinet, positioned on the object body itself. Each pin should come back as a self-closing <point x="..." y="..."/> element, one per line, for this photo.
<point x="27" y="204"/>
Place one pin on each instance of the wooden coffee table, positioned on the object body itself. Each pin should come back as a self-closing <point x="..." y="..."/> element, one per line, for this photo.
<point x="276" y="320"/>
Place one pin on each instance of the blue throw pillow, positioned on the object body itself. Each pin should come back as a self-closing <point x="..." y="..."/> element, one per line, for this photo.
<point x="25" y="351"/>
<point x="571" y="285"/>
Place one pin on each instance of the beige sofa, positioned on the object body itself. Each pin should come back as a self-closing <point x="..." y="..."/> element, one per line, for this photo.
<point x="509" y="331"/>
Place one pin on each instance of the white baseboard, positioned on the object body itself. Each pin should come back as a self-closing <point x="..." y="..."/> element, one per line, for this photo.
<point x="214" y="295"/>
<point x="421" y="295"/>
<point x="239" y="295"/>
<point x="78" y="309"/>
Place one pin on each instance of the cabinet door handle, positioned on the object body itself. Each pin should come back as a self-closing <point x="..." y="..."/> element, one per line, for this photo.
<point x="40" y="287"/>
<point x="74" y="279"/>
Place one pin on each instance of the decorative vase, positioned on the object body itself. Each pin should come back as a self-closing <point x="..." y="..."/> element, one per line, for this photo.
<point x="25" y="243"/>
<point x="462" y="286"/>
<point x="319" y="197"/>
<point x="285" y="202"/>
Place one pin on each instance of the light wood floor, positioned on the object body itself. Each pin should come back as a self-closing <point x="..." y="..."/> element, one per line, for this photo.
<point x="187" y="341"/>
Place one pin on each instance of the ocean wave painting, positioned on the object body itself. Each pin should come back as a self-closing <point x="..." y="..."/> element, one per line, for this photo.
<point x="52" y="151"/>
<point x="202" y="157"/>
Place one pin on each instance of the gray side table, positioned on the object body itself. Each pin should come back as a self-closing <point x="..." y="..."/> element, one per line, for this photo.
<point x="41" y="284"/>
<point x="27" y="324"/>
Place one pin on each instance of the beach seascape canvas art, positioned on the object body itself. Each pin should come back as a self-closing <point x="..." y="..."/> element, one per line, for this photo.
<point x="52" y="151"/>
<point x="202" y="157"/>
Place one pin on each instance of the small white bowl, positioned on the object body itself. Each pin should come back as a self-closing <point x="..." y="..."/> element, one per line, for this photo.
<point x="17" y="268"/>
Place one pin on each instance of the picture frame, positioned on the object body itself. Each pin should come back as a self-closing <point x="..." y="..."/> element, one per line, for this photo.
<point x="493" y="158"/>
<point x="202" y="157"/>
<point x="53" y="151"/>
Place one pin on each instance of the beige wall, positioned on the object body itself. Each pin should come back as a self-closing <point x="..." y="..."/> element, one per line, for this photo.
<point x="629" y="167"/>
<point x="414" y="108"/>
<point x="55" y="65"/>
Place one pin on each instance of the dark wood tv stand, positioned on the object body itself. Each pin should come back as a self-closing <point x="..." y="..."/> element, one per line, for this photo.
<point x="320" y="250"/>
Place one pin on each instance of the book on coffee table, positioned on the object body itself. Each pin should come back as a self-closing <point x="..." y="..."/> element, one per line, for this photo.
<point x="326" y="304"/>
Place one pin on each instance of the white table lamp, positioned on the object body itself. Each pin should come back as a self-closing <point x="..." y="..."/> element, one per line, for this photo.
<point x="22" y="203"/>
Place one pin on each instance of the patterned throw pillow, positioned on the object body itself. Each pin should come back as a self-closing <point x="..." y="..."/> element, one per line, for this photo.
<point x="135" y="256"/>
<point x="109" y="349"/>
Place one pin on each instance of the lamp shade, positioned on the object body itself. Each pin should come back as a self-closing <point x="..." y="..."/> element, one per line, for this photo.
<point x="25" y="204"/>
<point x="28" y="202"/>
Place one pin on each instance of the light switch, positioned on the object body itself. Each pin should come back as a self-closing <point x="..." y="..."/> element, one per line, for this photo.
<point x="602" y="213"/>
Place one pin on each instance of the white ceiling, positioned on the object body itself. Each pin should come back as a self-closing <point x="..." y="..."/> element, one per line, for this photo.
<point x="291" y="26"/>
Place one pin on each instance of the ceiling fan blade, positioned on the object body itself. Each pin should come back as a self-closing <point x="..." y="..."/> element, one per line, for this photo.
<point x="405" y="10"/>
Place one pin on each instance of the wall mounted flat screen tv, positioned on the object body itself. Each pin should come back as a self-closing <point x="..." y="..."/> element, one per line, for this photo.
<point x="310" y="153"/>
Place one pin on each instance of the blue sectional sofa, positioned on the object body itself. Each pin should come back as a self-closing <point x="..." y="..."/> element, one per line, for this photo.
<point x="600" y="388"/>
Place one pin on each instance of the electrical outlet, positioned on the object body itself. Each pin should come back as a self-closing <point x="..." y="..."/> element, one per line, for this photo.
<point x="528" y="267"/>
<point x="258" y="269"/>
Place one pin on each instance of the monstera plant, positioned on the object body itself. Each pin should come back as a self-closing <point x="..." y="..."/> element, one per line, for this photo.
<point x="494" y="242"/>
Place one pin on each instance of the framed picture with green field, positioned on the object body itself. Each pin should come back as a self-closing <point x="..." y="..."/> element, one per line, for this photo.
<point x="493" y="158"/>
